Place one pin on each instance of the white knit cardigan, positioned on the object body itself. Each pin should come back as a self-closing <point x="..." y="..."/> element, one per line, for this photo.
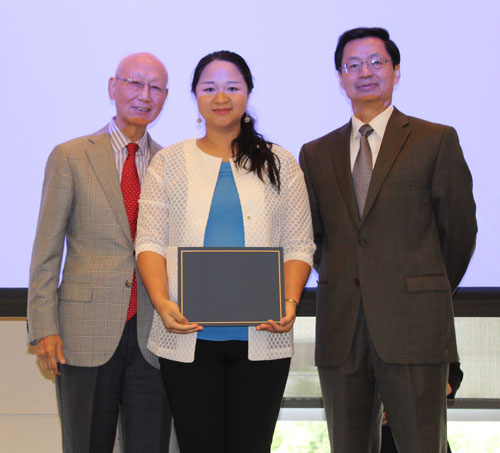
<point x="175" y="203"/>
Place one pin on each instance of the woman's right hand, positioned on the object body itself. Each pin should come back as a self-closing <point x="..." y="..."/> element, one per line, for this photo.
<point x="175" y="321"/>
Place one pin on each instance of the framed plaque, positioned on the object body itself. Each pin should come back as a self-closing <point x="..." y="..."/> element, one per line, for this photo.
<point x="231" y="286"/>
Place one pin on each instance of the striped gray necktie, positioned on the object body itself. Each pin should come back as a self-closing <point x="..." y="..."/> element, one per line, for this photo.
<point x="362" y="170"/>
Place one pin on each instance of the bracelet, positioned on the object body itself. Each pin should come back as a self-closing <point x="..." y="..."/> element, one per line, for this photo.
<point x="289" y="299"/>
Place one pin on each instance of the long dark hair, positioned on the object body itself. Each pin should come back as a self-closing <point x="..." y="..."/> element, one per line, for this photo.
<point x="250" y="150"/>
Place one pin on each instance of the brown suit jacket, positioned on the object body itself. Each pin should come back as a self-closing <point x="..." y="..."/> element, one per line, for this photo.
<point x="407" y="254"/>
<point x="82" y="205"/>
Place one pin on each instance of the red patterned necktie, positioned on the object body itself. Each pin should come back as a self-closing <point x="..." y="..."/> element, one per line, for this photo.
<point x="131" y="189"/>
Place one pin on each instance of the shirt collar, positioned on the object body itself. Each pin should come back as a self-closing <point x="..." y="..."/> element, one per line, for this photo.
<point x="379" y="123"/>
<point x="121" y="140"/>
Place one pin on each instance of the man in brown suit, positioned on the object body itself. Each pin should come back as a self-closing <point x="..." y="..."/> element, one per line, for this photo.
<point x="395" y="230"/>
<point x="91" y="328"/>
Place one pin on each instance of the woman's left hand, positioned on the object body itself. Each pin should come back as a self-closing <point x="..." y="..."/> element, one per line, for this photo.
<point x="285" y="324"/>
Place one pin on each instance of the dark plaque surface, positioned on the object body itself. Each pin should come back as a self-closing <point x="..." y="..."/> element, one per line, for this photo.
<point x="231" y="286"/>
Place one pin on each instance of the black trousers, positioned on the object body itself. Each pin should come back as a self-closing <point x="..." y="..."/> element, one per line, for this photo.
<point x="223" y="402"/>
<point x="92" y="398"/>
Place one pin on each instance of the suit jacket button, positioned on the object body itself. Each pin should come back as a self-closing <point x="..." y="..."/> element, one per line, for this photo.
<point x="356" y="281"/>
<point x="128" y="283"/>
<point x="362" y="242"/>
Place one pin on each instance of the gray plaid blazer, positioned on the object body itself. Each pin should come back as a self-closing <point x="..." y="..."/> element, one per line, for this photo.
<point x="82" y="204"/>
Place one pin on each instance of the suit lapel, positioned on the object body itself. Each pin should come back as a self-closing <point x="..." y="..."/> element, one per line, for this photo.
<point x="342" y="164"/>
<point x="395" y="136"/>
<point x="101" y="157"/>
<point x="153" y="146"/>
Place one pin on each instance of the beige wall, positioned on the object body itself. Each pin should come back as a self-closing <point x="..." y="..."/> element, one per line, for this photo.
<point x="478" y="345"/>
<point x="28" y="408"/>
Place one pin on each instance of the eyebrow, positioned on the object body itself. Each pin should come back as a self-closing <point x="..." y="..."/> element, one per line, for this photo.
<point x="211" y="82"/>
<point x="137" y="76"/>
<point x="372" y="55"/>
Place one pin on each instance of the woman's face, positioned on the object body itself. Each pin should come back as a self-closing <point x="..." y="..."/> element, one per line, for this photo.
<point x="222" y="95"/>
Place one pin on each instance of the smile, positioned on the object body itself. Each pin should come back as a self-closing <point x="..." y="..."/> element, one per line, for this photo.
<point x="221" y="111"/>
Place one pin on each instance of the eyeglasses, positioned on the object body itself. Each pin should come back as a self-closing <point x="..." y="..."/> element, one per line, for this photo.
<point x="376" y="64"/>
<point x="137" y="86"/>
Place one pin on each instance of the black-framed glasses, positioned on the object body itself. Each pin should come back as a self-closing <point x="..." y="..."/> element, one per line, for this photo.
<point x="375" y="64"/>
<point x="138" y="85"/>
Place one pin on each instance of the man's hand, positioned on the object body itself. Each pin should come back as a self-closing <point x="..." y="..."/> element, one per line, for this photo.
<point x="49" y="351"/>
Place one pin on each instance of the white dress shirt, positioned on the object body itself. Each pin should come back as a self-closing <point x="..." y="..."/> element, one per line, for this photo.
<point x="119" y="144"/>
<point x="379" y="123"/>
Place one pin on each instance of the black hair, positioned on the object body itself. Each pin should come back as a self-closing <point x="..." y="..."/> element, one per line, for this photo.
<point x="366" y="32"/>
<point x="250" y="150"/>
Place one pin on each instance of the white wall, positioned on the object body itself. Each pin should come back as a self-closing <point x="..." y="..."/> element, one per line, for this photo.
<point x="57" y="57"/>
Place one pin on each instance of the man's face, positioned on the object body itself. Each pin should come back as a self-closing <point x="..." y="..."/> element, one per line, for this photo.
<point x="369" y="85"/>
<point x="137" y="107"/>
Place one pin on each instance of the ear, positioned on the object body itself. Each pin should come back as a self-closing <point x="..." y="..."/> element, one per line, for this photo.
<point x="397" y="74"/>
<point x="164" y="97"/>
<point x="341" y="79"/>
<point x="112" y="87"/>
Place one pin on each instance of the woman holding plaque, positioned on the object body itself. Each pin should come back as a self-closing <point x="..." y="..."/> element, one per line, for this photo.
<point x="230" y="188"/>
